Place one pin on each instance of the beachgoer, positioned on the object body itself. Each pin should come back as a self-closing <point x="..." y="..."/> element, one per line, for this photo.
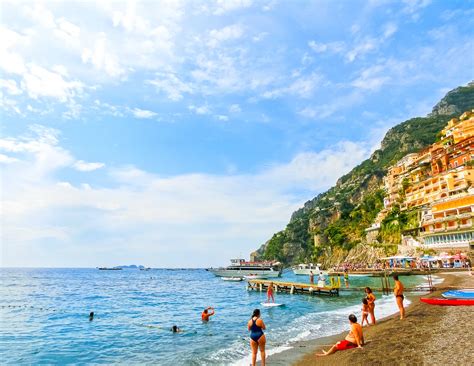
<point x="354" y="339"/>
<point x="270" y="292"/>
<point x="175" y="329"/>
<point x="91" y="316"/>
<point x="346" y="278"/>
<point x="321" y="280"/>
<point x="257" y="339"/>
<point x="398" y="292"/>
<point x="371" y="300"/>
<point x="206" y="314"/>
<point x="311" y="277"/>
<point x="365" y="312"/>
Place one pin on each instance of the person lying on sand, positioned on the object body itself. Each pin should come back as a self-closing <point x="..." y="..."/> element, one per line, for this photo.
<point x="354" y="339"/>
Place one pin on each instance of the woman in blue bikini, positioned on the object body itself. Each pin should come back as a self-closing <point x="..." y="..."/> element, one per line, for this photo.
<point x="257" y="338"/>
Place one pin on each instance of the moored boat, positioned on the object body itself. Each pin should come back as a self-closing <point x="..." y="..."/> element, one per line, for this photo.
<point x="241" y="268"/>
<point x="459" y="294"/>
<point x="255" y="277"/>
<point x="447" y="302"/>
<point x="305" y="269"/>
<point x="232" y="279"/>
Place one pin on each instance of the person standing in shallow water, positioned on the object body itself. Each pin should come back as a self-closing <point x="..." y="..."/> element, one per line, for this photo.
<point x="311" y="277"/>
<point x="257" y="339"/>
<point x="398" y="292"/>
<point x="371" y="301"/>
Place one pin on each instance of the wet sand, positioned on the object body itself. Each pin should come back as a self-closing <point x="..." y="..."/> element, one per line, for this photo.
<point x="430" y="335"/>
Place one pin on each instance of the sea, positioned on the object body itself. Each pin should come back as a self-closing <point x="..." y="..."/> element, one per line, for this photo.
<point x="44" y="316"/>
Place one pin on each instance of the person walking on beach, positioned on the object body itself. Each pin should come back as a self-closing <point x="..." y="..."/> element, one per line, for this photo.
<point x="354" y="339"/>
<point x="257" y="338"/>
<point x="205" y="315"/>
<point x="311" y="277"/>
<point x="270" y="292"/>
<point x="398" y="292"/>
<point x="371" y="302"/>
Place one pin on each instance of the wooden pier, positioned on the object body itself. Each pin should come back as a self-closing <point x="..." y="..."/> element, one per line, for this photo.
<point x="294" y="287"/>
<point x="334" y="290"/>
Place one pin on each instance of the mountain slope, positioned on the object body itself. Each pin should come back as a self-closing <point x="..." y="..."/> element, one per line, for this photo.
<point x="335" y="220"/>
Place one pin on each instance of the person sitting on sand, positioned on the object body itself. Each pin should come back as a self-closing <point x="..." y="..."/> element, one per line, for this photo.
<point x="257" y="339"/>
<point x="371" y="301"/>
<point x="206" y="314"/>
<point x="354" y="339"/>
<point x="365" y="312"/>
<point x="398" y="292"/>
<point x="270" y="292"/>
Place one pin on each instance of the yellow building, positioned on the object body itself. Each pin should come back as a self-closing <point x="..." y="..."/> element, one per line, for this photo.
<point x="438" y="187"/>
<point x="460" y="129"/>
<point x="449" y="223"/>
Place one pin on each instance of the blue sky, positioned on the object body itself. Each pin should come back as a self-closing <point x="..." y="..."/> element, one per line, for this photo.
<point x="185" y="133"/>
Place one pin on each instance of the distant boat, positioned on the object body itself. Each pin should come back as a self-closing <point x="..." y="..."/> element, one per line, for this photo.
<point x="145" y="269"/>
<point x="241" y="268"/>
<point x="232" y="279"/>
<point x="110" y="269"/>
<point x="255" y="277"/>
<point x="304" y="269"/>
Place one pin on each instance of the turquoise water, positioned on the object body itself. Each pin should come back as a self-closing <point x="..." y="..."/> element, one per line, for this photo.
<point x="45" y="316"/>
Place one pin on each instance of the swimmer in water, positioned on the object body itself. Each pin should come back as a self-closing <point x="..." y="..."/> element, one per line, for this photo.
<point x="206" y="314"/>
<point x="175" y="329"/>
<point x="91" y="316"/>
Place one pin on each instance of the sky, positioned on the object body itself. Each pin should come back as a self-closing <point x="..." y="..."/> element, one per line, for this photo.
<point x="185" y="133"/>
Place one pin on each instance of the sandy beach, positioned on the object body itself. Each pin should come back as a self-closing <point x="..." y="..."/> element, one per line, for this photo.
<point x="430" y="335"/>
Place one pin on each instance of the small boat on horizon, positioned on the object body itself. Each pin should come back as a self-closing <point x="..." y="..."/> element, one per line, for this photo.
<point x="110" y="269"/>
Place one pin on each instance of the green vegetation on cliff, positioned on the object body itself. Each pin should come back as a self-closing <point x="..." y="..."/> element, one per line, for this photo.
<point x="336" y="219"/>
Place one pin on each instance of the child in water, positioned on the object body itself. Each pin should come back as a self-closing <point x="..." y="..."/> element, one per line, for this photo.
<point x="365" y="312"/>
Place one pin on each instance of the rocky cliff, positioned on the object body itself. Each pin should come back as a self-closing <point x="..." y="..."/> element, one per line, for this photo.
<point x="332" y="225"/>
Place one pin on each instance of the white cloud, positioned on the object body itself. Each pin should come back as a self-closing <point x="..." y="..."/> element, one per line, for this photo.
<point x="222" y="117"/>
<point x="171" y="85"/>
<point x="40" y="82"/>
<point x="143" y="113"/>
<point x="10" y="86"/>
<point x="5" y="159"/>
<point x="230" y="32"/>
<point x="204" y="109"/>
<point x="235" y="108"/>
<point x="334" y="47"/>
<point x="83" y="166"/>
<point x="225" y="6"/>
<point x="11" y="62"/>
<point x="102" y="58"/>
<point x="303" y="87"/>
<point x="322" y="111"/>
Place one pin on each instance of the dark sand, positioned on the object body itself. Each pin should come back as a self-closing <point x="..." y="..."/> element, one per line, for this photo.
<point x="430" y="335"/>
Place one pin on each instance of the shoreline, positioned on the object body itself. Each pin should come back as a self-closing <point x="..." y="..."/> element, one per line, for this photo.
<point x="388" y="343"/>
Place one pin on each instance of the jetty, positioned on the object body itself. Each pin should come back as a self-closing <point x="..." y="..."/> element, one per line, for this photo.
<point x="295" y="287"/>
<point x="398" y="271"/>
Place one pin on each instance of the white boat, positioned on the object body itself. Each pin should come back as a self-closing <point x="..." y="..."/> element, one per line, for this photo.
<point x="241" y="268"/>
<point x="304" y="269"/>
<point x="255" y="277"/>
<point x="233" y="279"/>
